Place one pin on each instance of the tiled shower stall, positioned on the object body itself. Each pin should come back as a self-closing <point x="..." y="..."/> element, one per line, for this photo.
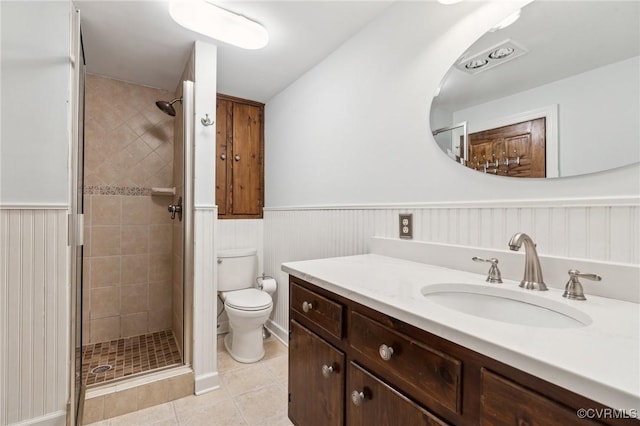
<point x="129" y="294"/>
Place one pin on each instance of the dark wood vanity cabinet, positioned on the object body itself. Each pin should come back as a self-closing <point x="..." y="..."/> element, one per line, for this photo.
<point x="351" y="365"/>
<point x="316" y="391"/>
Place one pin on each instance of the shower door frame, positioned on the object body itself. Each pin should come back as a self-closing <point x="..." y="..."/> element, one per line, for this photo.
<point x="188" y="126"/>
<point x="75" y="223"/>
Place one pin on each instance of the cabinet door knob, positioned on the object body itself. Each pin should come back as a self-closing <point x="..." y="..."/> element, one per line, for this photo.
<point x="327" y="370"/>
<point x="306" y="306"/>
<point x="385" y="352"/>
<point x="237" y="158"/>
<point x="357" y="397"/>
<point x="223" y="156"/>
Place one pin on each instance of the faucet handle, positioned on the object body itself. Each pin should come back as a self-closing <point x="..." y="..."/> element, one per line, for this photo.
<point x="493" y="276"/>
<point x="573" y="290"/>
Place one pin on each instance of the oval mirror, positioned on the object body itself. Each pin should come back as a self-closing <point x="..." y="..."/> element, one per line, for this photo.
<point x="556" y="93"/>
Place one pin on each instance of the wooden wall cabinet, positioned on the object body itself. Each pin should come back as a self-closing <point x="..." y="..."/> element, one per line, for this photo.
<point x="240" y="158"/>
<point x="386" y="372"/>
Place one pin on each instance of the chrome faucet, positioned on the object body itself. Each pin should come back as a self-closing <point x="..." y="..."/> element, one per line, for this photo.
<point x="532" y="271"/>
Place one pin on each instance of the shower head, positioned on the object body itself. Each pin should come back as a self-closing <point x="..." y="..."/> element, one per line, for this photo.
<point x="167" y="107"/>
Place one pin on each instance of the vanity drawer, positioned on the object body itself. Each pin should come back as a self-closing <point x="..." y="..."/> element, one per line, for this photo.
<point x="323" y="312"/>
<point x="507" y="403"/>
<point x="423" y="372"/>
<point x="373" y="402"/>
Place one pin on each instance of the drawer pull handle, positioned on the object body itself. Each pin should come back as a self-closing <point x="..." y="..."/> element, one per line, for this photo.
<point x="385" y="352"/>
<point x="327" y="370"/>
<point x="306" y="306"/>
<point x="357" y="398"/>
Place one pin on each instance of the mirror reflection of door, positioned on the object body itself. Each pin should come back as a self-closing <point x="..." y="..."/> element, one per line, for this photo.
<point x="516" y="150"/>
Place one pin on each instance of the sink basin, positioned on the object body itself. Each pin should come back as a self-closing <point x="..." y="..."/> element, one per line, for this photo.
<point x="506" y="305"/>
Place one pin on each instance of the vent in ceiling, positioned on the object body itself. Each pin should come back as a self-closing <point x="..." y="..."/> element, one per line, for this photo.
<point x="492" y="57"/>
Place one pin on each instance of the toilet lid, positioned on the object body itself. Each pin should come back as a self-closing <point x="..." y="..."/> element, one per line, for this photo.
<point x="250" y="299"/>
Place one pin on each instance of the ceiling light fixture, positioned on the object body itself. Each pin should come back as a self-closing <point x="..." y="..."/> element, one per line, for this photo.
<point x="212" y="21"/>
<point x="501" y="53"/>
<point x="449" y="1"/>
<point x="476" y="63"/>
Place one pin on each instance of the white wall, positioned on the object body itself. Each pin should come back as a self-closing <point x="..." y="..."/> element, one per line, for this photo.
<point x="355" y="129"/>
<point x="598" y="115"/>
<point x="34" y="138"/>
<point x="34" y="202"/>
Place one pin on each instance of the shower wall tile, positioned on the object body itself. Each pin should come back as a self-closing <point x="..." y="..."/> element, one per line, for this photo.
<point x="134" y="299"/>
<point x="105" y="302"/>
<point x="129" y="148"/>
<point x="135" y="269"/>
<point x="105" y="240"/>
<point x="105" y="329"/>
<point x="135" y="324"/>
<point x="160" y="267"/>
<point x="135" y="239"/>
<point x="104" y="271"/>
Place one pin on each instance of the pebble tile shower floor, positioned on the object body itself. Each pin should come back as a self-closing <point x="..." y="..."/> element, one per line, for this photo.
<point x="129" y="356"/>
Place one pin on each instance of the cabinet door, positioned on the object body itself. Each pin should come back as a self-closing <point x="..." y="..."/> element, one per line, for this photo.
<point x="373" y="402"/>
<point x="247" y="160"/>
<point x="316" y="392"/>
<point x="224" y="126"/>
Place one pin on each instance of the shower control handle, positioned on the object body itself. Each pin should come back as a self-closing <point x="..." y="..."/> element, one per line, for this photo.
<point x="176" y="208"/>
<point x="306" y="306"/>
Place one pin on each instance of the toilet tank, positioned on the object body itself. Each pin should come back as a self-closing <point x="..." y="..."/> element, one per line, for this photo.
<point x="237" y="269"/>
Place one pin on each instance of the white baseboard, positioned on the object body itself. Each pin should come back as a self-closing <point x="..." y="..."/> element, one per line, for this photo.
<point x="207" y="383"/>
<point x="57" y="418"/>
<point x="278" y="332"/>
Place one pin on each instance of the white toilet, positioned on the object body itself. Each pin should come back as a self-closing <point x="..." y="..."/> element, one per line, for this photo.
<point x="248" y="308"/>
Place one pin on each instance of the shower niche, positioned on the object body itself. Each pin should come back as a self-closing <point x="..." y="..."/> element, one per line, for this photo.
<point x="132" y="280"/>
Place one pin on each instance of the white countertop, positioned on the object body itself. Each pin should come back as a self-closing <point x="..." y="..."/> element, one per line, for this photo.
<point x="600" y="361"/>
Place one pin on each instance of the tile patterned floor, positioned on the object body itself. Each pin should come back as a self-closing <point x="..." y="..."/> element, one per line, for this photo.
<point x="129" y="356"/>
<point x="250" y="395"/>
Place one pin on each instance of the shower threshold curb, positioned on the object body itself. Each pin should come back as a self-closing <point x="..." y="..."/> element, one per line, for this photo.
<point x="105" y="389"/>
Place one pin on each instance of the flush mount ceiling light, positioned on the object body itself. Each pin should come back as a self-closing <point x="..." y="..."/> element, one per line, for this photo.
<point x="449" y="1"/>
<point x="212" y="21"/>
<point x="501" y="53"/>
<point x="476" y="63"/>
<point x="498" y="54"/>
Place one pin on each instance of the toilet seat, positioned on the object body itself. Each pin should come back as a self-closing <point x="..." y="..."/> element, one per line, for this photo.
<point x="249" y="299"/>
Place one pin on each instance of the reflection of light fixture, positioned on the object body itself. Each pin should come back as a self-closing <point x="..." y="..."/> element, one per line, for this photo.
<point x="449" y="1"/>
<point x="435" y="95"/>
<point x="210" y="20"/>
<point x="503" y="52"/>
<point x="476" y="63"/>
<point x="506" y="21"/>
<point x="498" y="54"/>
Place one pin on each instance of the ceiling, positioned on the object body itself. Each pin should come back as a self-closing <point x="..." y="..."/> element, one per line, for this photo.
<point x="137" y="41"/>
<point x="563" y="38"/>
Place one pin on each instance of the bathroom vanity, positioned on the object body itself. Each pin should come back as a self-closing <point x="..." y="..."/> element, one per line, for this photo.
<point x="366" y="347"/>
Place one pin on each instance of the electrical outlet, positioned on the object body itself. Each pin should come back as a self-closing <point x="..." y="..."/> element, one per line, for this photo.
<point x="406" y="226"/>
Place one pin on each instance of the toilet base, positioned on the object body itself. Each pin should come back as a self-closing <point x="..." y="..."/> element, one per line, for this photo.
<point x="245" y="347"/>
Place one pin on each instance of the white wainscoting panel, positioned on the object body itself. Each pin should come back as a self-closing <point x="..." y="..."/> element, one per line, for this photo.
<point x="34" y="309"/>
<point x="204" y="300"/>
<point x="607" y="233"/>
